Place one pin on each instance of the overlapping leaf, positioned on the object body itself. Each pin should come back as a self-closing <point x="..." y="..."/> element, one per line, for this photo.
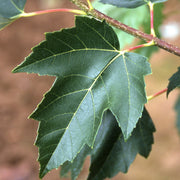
<point x="114" y="155"/>
<point x="77" y="164"/>
<point x="10" y="10"/>
<point x="92" y="76"/>
<point x="110" y="153"/>
<point x="108" y="133"/>
<point x="174" y="81"/>
<point x="130" y="3"/>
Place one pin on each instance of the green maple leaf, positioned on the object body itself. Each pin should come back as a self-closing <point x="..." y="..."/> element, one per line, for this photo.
<point x="113" y="154"/>
<point x="130" y="3"/>
<point x="92" y="76"/>
<point x="10" y="10"/>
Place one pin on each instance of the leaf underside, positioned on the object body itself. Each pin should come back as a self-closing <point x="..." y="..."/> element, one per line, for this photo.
<point x="174" y="81"/>
<point x="10" y="10"/>
<point x="130" y="3"/>
<point x="92" y="76"/>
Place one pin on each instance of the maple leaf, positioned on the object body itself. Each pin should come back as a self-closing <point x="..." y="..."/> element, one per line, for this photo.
<point x="93" y="75"/>
<point x="112" y="154"/>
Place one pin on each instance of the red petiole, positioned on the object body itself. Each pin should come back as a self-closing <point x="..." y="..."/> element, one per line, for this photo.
<point x="76" y="11"/>
<point x="157" y="94"/>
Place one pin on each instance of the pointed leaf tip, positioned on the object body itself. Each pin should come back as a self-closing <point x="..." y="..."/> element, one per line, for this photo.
<point x="128" y="73"/>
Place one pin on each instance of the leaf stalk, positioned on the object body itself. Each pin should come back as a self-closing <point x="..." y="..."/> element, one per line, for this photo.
<point x="151" y="43"/>
<point x="157" y="94"/>
<point x="76" y="11"/>
<point x="151" y="8"/>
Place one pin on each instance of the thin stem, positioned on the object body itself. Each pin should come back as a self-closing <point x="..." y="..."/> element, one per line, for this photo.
<point x="151" y="43"/>
<point x="151" y="7"/>
<point x="76" y="11"/>
<point x="157" y="94"/>
<point x="134" y="32"/>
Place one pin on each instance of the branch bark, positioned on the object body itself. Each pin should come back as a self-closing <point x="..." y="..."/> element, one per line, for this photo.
<point x="137" y="33"/>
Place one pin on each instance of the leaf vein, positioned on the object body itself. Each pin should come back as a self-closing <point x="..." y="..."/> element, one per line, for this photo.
<point x="59" y="97"/>
<point x="13" y="3"/>
<point x="70" y="113"/>
<point x="63" y="42"/>
<point x="63" y="53"/>
<point x="90" y="27"/>
<point x="128" y="88"/>
<point x="105" y="89"/>
<point x="81" y="75"/>
<point x="94" y="110"/>
<point x="49" y="133"/>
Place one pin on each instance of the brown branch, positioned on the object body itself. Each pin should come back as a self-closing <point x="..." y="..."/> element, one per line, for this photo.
<point x="137" y="33"/>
